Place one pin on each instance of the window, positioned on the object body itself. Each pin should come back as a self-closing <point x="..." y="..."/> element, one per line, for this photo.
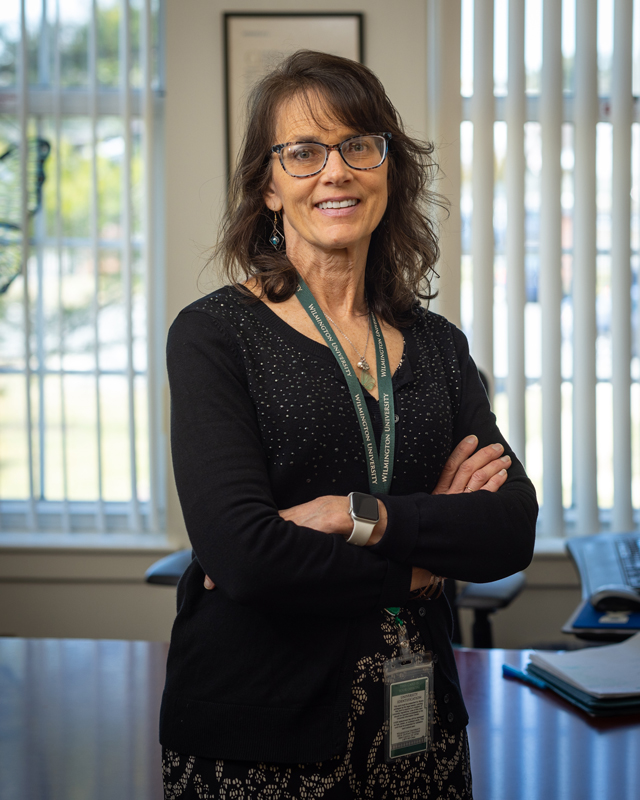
<point x="550" y="213"/>
<point x="80" y="83"/>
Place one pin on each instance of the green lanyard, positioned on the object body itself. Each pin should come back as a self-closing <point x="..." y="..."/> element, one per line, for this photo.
<point x="380" y="464"/>
<point x="380" y="472"/>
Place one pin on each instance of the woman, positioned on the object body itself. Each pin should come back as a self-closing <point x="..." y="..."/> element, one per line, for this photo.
<point x="280" y="385"/>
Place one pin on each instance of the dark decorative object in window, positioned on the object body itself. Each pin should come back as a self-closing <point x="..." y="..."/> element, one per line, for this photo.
<point x="11" y="203"/>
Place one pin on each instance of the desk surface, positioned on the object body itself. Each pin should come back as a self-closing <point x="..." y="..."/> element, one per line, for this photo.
<point x="530" y="744"/>
<point x="78" y="721"/>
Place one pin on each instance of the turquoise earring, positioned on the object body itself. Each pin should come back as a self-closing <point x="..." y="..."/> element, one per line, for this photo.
<point x="276" y="239"/>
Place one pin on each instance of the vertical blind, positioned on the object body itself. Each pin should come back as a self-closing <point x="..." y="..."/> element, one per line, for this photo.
<point x="78" y="383"/>
<point x="549" y="140"/>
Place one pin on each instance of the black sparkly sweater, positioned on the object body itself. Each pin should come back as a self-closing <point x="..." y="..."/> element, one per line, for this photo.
<point x="261" y="419"/>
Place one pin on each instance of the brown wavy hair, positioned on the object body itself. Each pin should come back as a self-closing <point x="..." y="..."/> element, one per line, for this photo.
<point x="404" y="246"/>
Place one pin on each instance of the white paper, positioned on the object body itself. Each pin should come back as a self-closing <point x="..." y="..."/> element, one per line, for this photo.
<point x="609" y="671"/>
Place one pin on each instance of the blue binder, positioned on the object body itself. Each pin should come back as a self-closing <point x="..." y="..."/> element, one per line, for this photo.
<point x="589" y="617"/>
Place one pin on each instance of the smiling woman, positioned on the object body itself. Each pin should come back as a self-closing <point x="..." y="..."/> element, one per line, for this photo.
<point x="316" y="409"/>
<point x="322" y="94"/>
<point x="335" y="205"/>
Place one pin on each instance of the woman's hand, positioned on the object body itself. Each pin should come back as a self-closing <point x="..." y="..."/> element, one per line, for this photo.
<point x="420" y="578"/>
<point x="464" y="471"/>
<point x="327" y="514"/>
<point x="468" y="471"/>
<point x="330" y="514"/>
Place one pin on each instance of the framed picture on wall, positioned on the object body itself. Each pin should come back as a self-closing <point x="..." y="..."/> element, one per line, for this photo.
<point x="255" y="43"/>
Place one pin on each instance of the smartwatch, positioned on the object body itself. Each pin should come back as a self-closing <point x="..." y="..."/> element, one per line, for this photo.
<point x="363" y="510"/>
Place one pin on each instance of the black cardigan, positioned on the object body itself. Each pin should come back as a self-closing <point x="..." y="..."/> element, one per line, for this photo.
<point x="261" y="419"/>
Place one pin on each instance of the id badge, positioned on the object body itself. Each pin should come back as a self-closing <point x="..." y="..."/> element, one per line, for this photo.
<point x="408" y="688"/>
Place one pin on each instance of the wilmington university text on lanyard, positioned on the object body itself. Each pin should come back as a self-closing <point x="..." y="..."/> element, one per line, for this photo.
<point x="380" y="464"/>
<point x="408" y="678"/>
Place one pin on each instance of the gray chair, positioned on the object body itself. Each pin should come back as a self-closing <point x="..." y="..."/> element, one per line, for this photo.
<point x="484" y="599"/>
<point x="168" y="570"/>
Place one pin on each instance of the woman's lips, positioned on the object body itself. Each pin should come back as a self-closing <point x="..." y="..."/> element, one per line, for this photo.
<point x="348" y="201"/>
<point x="345" y="207"/>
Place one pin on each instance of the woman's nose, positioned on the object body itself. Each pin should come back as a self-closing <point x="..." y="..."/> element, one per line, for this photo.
<point x="336" y="170"/>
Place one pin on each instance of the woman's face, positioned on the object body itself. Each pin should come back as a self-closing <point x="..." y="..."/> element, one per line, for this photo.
<point x="310" y="226"/>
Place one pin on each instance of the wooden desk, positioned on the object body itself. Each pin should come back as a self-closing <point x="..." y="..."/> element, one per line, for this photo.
<point x="78" y="721"/>
<point x="530" y="744"/>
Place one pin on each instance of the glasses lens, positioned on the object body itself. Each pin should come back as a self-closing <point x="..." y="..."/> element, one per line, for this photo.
<point x="303" y="159"/>
<point x="364" y="152"/>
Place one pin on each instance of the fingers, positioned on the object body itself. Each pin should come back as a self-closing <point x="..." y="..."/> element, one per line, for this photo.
<point x="420" y="578"/>
<point x="470" y="471"/>
<point x="491" y="476"/>
<point x="208" y="583"/>
<point x="479" y="468"/>
<point x="496" y="481"/>
<point x="426" y="583"/>
<point x="462" y="452"/>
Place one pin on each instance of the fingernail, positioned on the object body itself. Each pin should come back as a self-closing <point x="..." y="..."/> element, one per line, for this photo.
<point x="505" y="459"/>
<point x="470" y="439"/>
<point x="502" y="472"/>
<point x="208" y="583"/>
<point x="497" y="447"/>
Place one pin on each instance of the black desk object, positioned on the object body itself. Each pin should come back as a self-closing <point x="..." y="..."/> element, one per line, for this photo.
<point x="599" y="561"/>
<point x="606" y="558"/>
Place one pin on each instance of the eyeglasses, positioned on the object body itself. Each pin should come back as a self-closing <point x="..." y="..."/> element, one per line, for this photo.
<point x="303" y="159"/>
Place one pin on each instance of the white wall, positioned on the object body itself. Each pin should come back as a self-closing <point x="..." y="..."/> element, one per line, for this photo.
<point x="83" y="593"/>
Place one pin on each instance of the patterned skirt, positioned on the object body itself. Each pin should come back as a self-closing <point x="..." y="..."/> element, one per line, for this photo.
<point x="360" y="772"/>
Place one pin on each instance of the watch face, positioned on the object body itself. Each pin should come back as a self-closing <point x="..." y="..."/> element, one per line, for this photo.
<point x="364" y="506"/>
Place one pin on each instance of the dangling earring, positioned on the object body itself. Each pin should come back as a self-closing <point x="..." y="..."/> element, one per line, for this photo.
<point x="276" y="237"/>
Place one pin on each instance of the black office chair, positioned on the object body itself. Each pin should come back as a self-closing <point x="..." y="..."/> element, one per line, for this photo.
<point x="483" y="598"/>
<point x="168" y="570"/>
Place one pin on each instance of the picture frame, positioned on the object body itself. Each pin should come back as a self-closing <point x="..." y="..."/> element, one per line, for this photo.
<point x="255" y="42"/>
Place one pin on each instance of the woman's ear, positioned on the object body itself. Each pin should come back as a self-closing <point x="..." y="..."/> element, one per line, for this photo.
<point x="271" y="198"/>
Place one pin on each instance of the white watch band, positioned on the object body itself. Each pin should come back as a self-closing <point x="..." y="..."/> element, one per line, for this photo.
<point x="361" y="533"/>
